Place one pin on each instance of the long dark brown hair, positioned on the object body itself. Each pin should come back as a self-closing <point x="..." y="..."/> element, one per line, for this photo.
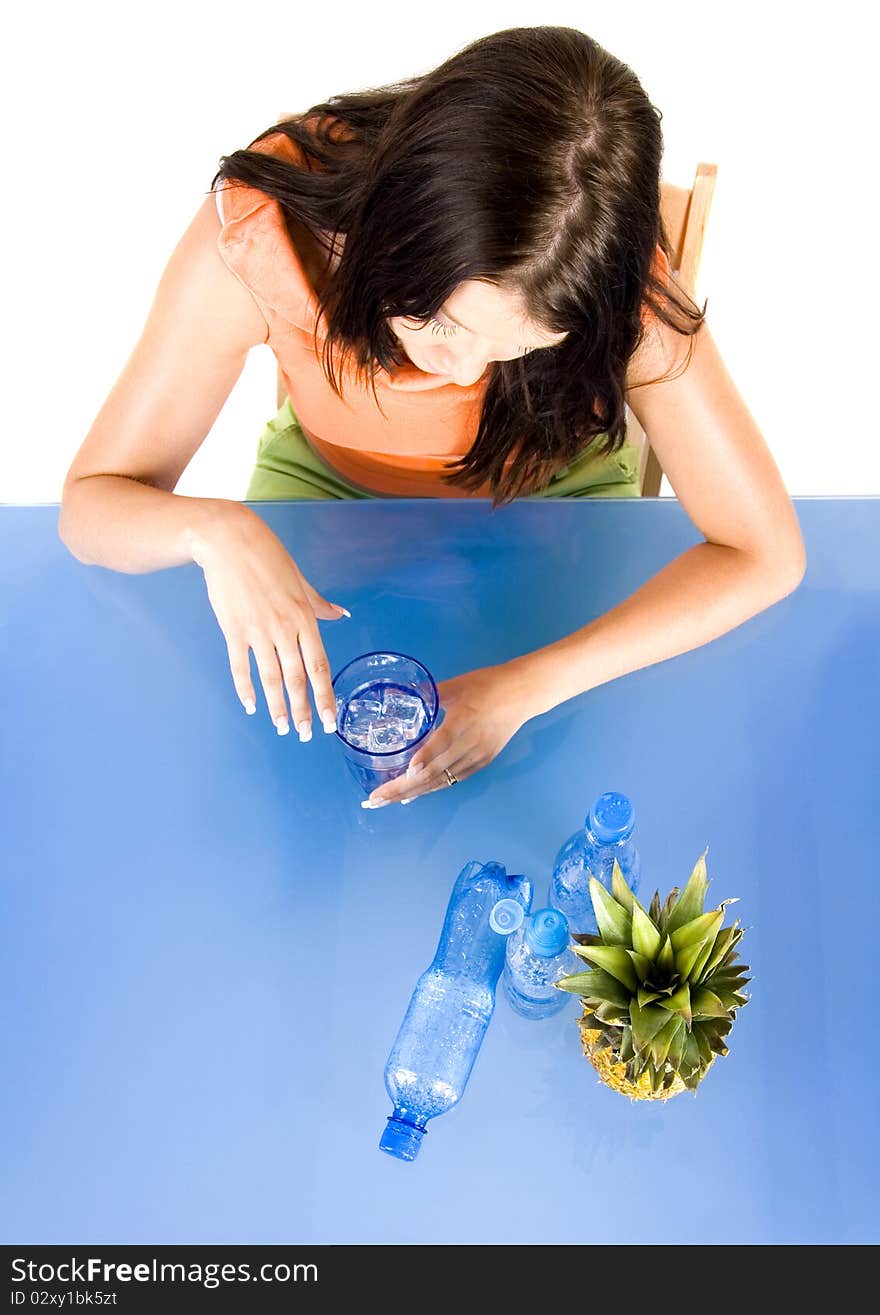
<point x="529" y="159"/>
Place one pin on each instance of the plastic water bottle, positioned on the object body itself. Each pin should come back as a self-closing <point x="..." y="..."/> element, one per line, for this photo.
<point x="590" y="852"/>
<point x="538" y="955"/>
<point x="452" y="1004"/>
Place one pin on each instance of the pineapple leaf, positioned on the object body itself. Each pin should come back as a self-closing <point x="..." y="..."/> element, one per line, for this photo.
<point x="647" y="997"/>
<point x="731" y="977"/>
<point x="723" y="942"/>
<point x="729" y="960"/>
<point x="706" y="1054"/>
<point x="690" y="1061"/>
<point x="611" y="1013"/>
<point x="698" y="929"/>
<point x="613" y="960"/>
<point x="693" y="1079"/>
<point x="639" y="1061"/>
<point x="642" y="965"/>
<point x="577" y="983"/>
<point x="657" y="1075"/>
<point x="619" y="889"/>
<point x="667" y="909"/>
<point x="679" y="1003"/>
<point x="676" y="1049"/>
<point x="689" y="904"/>
<point x="645" y="1023"/>
<point x="612" y="918"/>
<point x="662" y="1040"/>
<point x="598" y="986"/>
<point x="586" y="938"/>
<point x="686" y="958"/>
<point x="654" y="910"/>
<point x="705" y="1004"/>
<point x="666" y="957"/>
<point x="646" y="939"/>
<point x="702" y="957"/>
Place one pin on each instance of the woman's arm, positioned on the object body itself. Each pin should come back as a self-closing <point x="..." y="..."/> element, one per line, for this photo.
<point x="118" y="508"/>
<point x="721" y="469"/>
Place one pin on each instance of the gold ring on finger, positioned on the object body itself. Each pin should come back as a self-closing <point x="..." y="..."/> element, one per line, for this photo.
<point x="452" y="780"/>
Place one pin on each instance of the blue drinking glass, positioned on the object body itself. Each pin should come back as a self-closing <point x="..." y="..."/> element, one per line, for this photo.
<point x="382" y="680"/>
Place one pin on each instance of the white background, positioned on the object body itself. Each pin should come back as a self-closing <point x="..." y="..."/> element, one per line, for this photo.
<point x="116" y="115"/>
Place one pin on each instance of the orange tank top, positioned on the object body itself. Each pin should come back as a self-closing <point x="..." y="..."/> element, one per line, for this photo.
<point x="427" y="422"/>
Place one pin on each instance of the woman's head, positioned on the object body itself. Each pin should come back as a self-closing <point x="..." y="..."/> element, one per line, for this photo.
<point x="500" y="213"/>
<point x="478" y="324"/>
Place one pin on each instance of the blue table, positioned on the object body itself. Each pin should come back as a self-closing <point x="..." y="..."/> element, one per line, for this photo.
<point x="208" y="945"/>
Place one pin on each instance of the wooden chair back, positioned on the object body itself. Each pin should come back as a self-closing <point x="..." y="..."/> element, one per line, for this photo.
<point x="685" y="212"/>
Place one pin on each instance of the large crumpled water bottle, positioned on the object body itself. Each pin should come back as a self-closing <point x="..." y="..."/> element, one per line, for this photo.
<point x="452" y="1004"/>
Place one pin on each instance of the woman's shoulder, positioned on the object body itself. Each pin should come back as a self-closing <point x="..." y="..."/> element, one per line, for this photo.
<point x="275" y="255"/>
<point x="278" y="142"/>
<point x="662" y="349"/>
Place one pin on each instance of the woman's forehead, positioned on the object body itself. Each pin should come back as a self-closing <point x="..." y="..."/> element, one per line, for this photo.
<point x="491" y="312"/>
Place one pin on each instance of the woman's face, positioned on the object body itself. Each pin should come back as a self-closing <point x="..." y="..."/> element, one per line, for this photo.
<point x="477" y="324"/>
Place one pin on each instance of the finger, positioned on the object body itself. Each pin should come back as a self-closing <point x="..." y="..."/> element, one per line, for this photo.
<point x="322" y="609"/>
<point x="458" y="762"/>
<point x="432" y="779"/>
<point x="461" y="770"/>
<point x="297" y="688"/>
<point x="240" y="666"/>
<point x="318" y="670"/>
<point x="273" y="685"/>
<point x="442" y="746"/>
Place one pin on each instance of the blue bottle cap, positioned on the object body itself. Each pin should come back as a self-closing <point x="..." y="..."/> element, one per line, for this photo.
<point x="547" y="933"/>
<point x="611" y="818"/>
<point x="506" y="916"/>
<point x="401" y="1139"/>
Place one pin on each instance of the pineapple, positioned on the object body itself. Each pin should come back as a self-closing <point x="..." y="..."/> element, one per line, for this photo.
<point x="663" y="989"/>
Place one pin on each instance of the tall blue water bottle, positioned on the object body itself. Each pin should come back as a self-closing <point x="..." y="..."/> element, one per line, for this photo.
<point x="537" y="955"/>
<point x="452" y="1004"/>
<point x="606" y="835"/>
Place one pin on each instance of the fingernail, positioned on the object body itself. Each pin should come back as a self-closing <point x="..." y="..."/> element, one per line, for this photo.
<point x="250" y="707"/>
<point x="408" y="801"/>
<point x="328" y="721"/>
<point x="304" y="731"/>
<point x="282" y="725"/>
<point x="415" y="768"/>
<point x="374" y="803"/>
<point x="343" y="610"/>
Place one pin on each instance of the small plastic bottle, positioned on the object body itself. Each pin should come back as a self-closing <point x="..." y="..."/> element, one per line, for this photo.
<point x="452" y="1004"/>
<point x="537" y="956"/>
<point x="606" y="835"/>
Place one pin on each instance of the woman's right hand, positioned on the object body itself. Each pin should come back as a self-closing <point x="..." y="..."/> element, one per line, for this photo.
<point x="263" y="602"/>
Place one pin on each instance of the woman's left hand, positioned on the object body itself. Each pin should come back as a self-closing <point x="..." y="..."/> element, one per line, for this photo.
<point x="483" y="710"/>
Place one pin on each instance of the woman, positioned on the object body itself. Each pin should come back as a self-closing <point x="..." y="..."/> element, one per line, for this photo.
<point x="482" y="253"/>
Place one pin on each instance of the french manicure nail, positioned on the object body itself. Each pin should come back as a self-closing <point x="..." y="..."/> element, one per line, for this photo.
<point x="250" y="707"/>
<point x="328" y="721"/>
<point x="408" y="801"/>
<point x="344" y="611"/>
<point x="374" y="803"/>
<point x="282" y="725"/>
<point x="304" y="731"/>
